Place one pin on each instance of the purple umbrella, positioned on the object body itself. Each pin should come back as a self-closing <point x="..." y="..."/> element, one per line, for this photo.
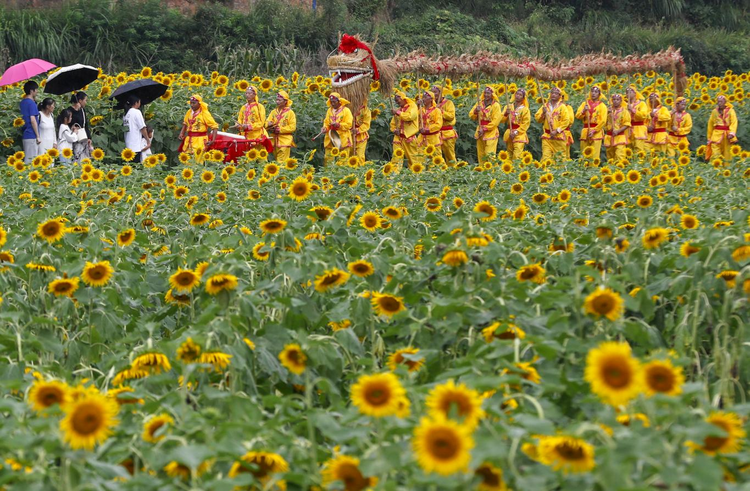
<point x="25" y="70"/>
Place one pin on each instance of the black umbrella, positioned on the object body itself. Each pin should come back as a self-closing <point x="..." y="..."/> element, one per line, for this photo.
<point x="146" y="89"/>
<point x="70" y="78"/>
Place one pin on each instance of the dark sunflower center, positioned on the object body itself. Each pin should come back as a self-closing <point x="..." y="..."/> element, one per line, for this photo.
<point x="219" y="282"/>
<point x="97" y="272"/>
<point x="51" y="229"/>
<point x="616" y="374"/>
<point x="459" y="402"/>
<point x="63" y="287"/>
<point x="155" y="427"/>
<point x="570" y="452"/>
<point x="443" y="444"/>
<point x="87" y="419"/>
<point x="330" y="279"/>
<point x="660" y="379"/>
<point x="185" y="279"/>
<point x="50" y="396"/>
<point x="603" y="305"/>
<point x="378" y="395"/>
<point x="489" y="477"/>
<point x="352" y="478"/>
<point x="389" y="304"/>
<point x="299" y="189"/>
<point x="527" y="274"/>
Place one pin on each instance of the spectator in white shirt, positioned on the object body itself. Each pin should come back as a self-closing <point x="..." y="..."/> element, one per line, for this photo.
<point x="47" y="126"/>
<point x="137" y="133"/>
<point x="65" y="135"/>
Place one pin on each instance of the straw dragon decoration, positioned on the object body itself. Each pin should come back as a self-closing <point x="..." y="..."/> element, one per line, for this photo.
<point x="353" y="66"/>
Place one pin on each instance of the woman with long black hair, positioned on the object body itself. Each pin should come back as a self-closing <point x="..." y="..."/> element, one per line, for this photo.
<point x="83" y="147"/>
<point x="47" y="125"/>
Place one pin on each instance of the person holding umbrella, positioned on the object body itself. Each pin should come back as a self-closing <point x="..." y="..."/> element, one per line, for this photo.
<point x="195" y="128"/>
<point x="136" y="136"/>
<point x="30" y="114"/>
<point x="83" y="147"/>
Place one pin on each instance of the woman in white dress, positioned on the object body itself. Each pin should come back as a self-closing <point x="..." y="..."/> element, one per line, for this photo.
<point x="47" y="133"/>
<point x="66" y="136"/>
<point x="136" y="136"/>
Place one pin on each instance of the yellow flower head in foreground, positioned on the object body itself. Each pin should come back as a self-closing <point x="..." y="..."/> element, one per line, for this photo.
<point x="184" y="280"/>
<point x="449" y="398"/>
<point x="154" y="424"/>
<point x="151" y="363"/>
<point x="89" y="420"/>
<point x="654" y="237"/>
<point x="613" y="373"/>
<point x="345" y="469"/>
<point x="486" y="208"/>
<point x="378" y="395"/>
<point x="662" y="377"/>
<point x="97" y="274"/>
<point x="604" y="302"/>
<point x="492" y="478"/>
<point x="189" y="351"/>
<point x="386" y="304"/>
<point x="330" y="279"/>
<point x="361" y="268"/>
<point x="569" y="454"/>
<point x="261" y="465"/>
<point x="126" y="237"/>
<point x="300" y="189"/>
<point x="273" y="226"/>
<point x="44" y="394"/>
<point x="64" y="287"/>
<point x="397" y="358"/>
<point x="532" y="272"/>
<point x="293" y="358"/>
<point x="442" y="446"/>
<point x="727" y="440"/>
<point x="455" y="258"/>
<point x="219" y="282"/>
<point x="219" y="361"/>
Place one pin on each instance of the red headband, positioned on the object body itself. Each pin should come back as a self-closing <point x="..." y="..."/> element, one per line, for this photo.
<point x="349" y="44"/>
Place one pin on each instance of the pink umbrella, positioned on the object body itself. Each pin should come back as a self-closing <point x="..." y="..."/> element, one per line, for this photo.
<point x="25" y="70"/>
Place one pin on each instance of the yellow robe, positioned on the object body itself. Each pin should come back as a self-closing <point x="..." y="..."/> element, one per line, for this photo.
<point x="569" y="140"/>
<point x="684" y="124"/>
<point x="405" y="124"/>
<point x="638" y="134"/>
<point x="284" y="140"/>
<point x="657" y="137"/>
<point x="448" y="134"/>
<point x="196" y="135"/>
<point x="342" y="116"/>
<point x="719" y="128"/>
<point x="518" y="119"/>
<point x="619" y="118"/>
<point x="554" y="141"/>
<point x="254" y="116"/>
<point x="362" y="131"/>
<point x="432" y="120"/>
<point x="594" y="117"/>
<point x="489" y="119"/>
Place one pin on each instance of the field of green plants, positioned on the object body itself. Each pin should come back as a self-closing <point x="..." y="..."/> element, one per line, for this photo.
<point x="516" y="325"/>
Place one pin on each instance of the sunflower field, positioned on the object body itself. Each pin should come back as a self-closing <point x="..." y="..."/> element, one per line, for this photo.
<point x="516" y="325"/>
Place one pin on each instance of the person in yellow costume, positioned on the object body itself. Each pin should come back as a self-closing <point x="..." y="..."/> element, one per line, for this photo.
<point x="251" y="119"/>
<point x="658" y="124"/>
<point x="448" y="134"/>
<point x="680" y="126"/>
<point x="337" y="127"/>
<point x="431" y="123"/>
<point x="487" y="114"/>
<point x="405" y="126"/>
<point x="616" y="134"/>
<point x="555" y="120"/>
<point x="569" y="140"/>
<point x="593" y="113"/>
<point x="638" y="110"/>
<point x="362" y="122"/>
<point x="722" y="130"/>
<point x="281" y="125"/>
<point x="518" y="117"/>
<point x="196" y="124"/>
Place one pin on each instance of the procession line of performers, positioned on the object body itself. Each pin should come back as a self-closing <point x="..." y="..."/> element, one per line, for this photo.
<point x="628" y="122"/>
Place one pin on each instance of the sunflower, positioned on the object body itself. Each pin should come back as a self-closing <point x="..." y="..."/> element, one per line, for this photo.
<point x="184" y="472"/>
<point x="97" y="274"/>
<point x="151" y="363"/>
<point x="729" y="277"/>
<point x="300" y="189"/>
<point x="345" y="469"/>
<point x="371" y="221"/>
<point x="361" y="268"/>
<point x="562" y="197"/>
<point x="729" y="439"/>
<point x="189" y="351"/>
<point x="397" y="358"/>
<point x="45" y="394"/>
<point x="218" y="360"/>
<point x="386" y="304"/>
<point x="262" y="465"/>
<point x="63" y="287"/>
<point x="442" y="446"/>
<point x="179" y="299"/>
<point x="487" y="209"/>
<point x="455" y="258"/>
<point x="127" y="155"/>
<point x="532" y="272"/>
<point x="687" y="249"/>
<point x="126" y="237"/>
<point x="259" y="254"/>
<point x="613" y="373"/>
<point x="184" y="280"/>
<point x="377" y="395"/>
<point x="208" y="176"/>
<point x="293" y="358"/>
<point x="417" y="168"/>
<point x="98" y="154"/>
<point x="450" y="399"/>
<point x="645" y="201"/>
<point x="654" y="237"/>
<point x="689" y="222"/>
<point x="155" y="424"/>
<point x="200" y="219"/>
<point x="51" y="231"/>
<point x="271" y="169"/>
<point x="742" y="253"/>
<point x="604" y="303"/>
<point x="569" y="454"/>
<point x="219" y="282"/>
<point x="662" y="377"/>
<point x="633" y="176"/>
<point x="89" y="420"/>
<point x="491" y="478"/>
<point x="322" y="212"/>
<point x="272" y="226"/>
<point x="330" y="279"/>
